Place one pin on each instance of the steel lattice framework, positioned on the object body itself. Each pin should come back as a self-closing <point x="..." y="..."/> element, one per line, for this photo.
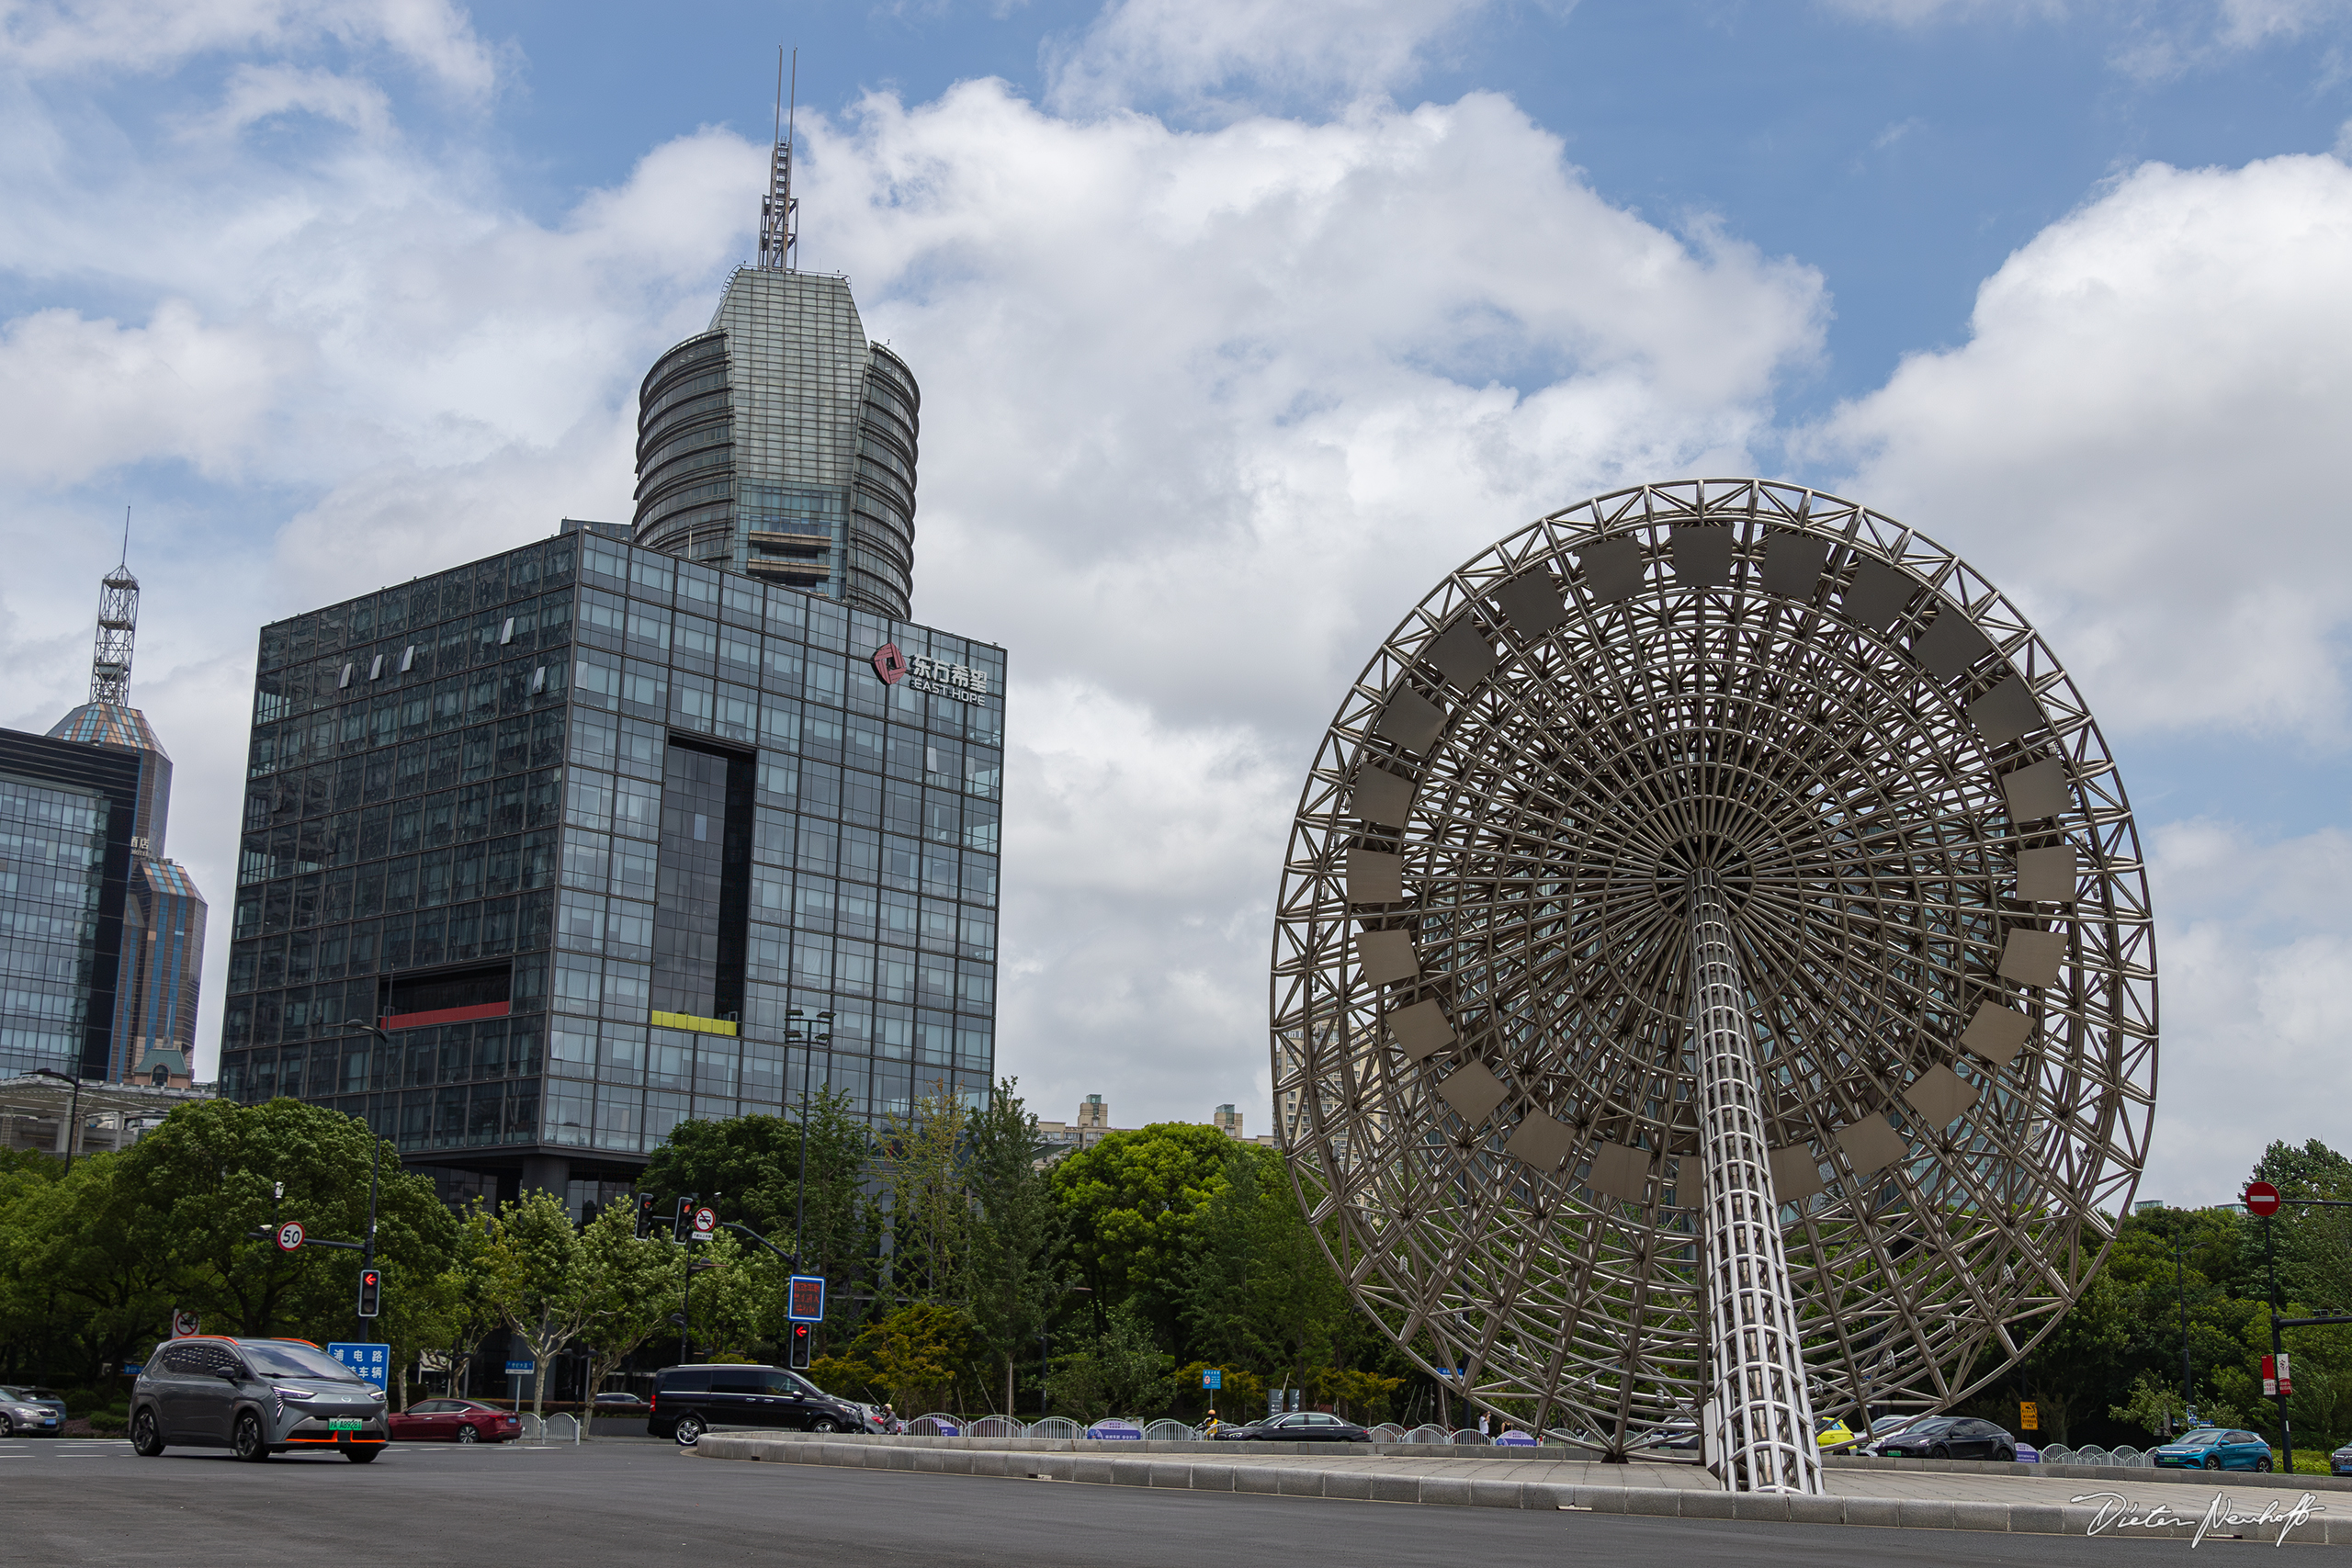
<point x="1712" y="695"/>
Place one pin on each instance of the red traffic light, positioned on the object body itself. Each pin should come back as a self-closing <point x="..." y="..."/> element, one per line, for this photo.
<point x="2261" y="1198"/>
<point x="371" y="1291"/>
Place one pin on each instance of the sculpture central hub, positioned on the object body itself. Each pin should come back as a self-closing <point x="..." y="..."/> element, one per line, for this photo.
<point x="1758" y="1417"/>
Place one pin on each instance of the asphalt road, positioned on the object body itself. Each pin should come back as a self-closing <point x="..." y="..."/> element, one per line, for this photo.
<point x="65" y="1502"/>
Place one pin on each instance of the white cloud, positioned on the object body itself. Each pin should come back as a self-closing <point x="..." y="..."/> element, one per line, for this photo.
<point x="2139" y="439"/>
<point x="1191" y="52"/>
<point x="2257" y="961"/>
<point x="52" y="36"/>
<point x="1203" y="414"/>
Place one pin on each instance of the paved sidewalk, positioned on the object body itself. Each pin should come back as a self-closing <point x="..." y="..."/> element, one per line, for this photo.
<point x="1922" y="1499"/>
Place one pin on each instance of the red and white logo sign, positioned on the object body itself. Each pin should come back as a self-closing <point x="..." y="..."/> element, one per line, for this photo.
<point x="889" y="663"/>
<point x="705" y="1220"/>
<point x="2261" y="1198"/>
<point x="183" y="1325"/>
<point x="289" y="1236"/>
<point x="2276" y="1380"/>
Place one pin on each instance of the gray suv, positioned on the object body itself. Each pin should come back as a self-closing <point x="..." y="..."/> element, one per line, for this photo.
<point x="255" y="1397"/>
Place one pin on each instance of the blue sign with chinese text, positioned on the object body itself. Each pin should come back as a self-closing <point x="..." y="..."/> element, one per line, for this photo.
<point x="370" y="1362"/>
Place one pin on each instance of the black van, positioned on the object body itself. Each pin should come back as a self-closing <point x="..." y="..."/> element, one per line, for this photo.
<point x="690" y="1401"/>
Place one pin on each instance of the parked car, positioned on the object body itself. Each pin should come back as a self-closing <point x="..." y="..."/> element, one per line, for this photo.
<point x="1299" y="1427"/>
<point x="690" y="1401"/>
<point x="2340" y="1461"/>
<point x="32" y="1411"/>
<point x="455" y="1421"/>
<point x="1950" y="1437"/>
<point x="1828" y="1432"/>
<point x="2214" y="1448"/>
<point x="255" y="1398"/>
<point x="620" y="1404"/>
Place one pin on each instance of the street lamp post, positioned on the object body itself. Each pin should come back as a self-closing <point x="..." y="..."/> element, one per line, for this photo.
<point x="375" y="1162"/>
<point x="72" y="1117"/>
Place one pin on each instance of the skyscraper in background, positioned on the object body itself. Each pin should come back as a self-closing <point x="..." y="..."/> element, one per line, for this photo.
<point x="781" y="443"/>
<point x="606" y="839"/>
<point x="101" y="937"/>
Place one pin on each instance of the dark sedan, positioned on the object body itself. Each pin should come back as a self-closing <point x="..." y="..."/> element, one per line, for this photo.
<point x="1300" y="1426"/>
<point x="1950" y="1437"/>
<point x="455" y="1421"/>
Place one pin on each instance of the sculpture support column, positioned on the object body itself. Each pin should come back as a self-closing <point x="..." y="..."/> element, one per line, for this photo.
<point x="1758" y="1416"/>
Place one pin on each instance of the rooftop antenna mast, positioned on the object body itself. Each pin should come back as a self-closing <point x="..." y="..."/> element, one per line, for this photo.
<point x="117" y="624"/>
<point x="779" y="212"/>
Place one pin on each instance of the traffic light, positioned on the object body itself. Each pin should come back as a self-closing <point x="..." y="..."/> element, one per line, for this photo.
<point x="801" y="1333"/>
<point x="646" y="1206"/>
<point x="683" y="1226"/>
<point x="371" y="1291"/>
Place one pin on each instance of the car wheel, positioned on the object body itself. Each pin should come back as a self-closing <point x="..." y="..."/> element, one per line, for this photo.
<point x="362" y="1456"/>
<point x="146" y="1437"/>
<point x="8" y="1428"/>
<point x="821" y="1425"/>
<point x="2212" y="1461"/>
<point x="249" y="1443"/>
<point x="689" y="1430"/>
<point x="466" y="1434"/>
<point x="1939" y="1451"/>
<point x="2263" y="1464"/>
<point x="2007" y="1456"/>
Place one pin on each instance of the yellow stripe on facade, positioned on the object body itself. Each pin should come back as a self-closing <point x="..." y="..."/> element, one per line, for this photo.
<point x="688" y="1020"/>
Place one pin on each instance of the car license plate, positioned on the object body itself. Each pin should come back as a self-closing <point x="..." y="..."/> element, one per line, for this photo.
<point x="344" y="1424"/>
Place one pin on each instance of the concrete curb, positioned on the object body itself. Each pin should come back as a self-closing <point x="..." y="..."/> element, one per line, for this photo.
<point x="2245" y="1479"/>
<point x="1364" y="1483"/>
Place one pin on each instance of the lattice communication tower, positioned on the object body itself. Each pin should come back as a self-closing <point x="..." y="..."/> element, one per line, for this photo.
<point x="1713" y="979"/>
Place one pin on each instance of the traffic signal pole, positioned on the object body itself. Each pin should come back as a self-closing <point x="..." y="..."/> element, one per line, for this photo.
<point x="2278" y="1384"/>
<point x="2266" y="1197"/>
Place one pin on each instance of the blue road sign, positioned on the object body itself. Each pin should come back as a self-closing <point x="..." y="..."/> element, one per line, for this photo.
<point x="370" y="1362"/>
<point x="805" y="1301"/>
<point x="521" y="1368"/>
<point x="1212" y="1377"/>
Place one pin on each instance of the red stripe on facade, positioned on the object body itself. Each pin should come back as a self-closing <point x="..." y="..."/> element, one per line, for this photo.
<point x="446" y="1015"/>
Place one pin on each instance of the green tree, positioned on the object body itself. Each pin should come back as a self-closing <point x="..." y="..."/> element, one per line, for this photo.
<point x="534" y="1281"/>
<point x="626" y="1284"/>
<point x="908" y="1358"/>
<point x="207" y="1171"/>
<point x="747" y="1167"/>
<point x="88" y="1259"/>
<point x="1132" y="1204"/>
<point x="466" y="1291"/>
<point x="1122" y="1372"/>
<point x="842" y="1238"/>
<point x="930" y="1213"/>
<point x="1015" y="1230"/>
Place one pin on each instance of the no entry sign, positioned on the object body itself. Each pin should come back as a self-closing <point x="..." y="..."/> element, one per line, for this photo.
<point x="2261" y="1198"/>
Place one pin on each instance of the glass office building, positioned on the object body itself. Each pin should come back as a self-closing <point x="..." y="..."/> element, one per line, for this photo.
<point x="782" y="443"/>
<point x="101" y="937"/>
<point x="608" y="840"/>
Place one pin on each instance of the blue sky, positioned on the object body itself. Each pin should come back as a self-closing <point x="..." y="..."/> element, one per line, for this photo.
<point x="1238" y="325"/>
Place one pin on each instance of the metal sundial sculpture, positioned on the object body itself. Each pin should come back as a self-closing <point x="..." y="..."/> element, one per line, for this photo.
<point x="1714" y="977"/>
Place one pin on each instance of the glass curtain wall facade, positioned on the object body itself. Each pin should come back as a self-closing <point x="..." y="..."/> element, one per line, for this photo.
<point x="66" y="815"/>
<point x="609" y="840"/>
<point x="782" y="443"/>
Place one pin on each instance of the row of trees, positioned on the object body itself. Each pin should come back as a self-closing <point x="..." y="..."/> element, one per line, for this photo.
<point x="2111" y="1372"/>
<point x="966" y="1274"/>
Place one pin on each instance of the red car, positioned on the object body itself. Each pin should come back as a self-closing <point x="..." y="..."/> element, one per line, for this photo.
<point x="454" y="1421"/>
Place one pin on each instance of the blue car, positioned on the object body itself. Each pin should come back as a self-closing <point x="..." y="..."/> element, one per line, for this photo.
<point x="2213" y="1448"/>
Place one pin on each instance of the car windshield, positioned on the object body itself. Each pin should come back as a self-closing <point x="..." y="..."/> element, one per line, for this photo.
<point x="1930" y="1428"/>
<point x="284" y="1358"/>
<point x="2198" y="1439"/>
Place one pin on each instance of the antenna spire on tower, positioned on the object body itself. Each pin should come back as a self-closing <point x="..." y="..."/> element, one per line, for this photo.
<point x="117" y="625"/>
<point x="779" y="211"/>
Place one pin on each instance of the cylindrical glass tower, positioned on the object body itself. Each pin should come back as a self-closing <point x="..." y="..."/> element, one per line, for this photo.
<point x="782" y="443"/>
